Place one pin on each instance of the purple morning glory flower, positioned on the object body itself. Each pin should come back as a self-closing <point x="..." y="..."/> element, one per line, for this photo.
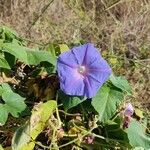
<point x="82" y="71"/>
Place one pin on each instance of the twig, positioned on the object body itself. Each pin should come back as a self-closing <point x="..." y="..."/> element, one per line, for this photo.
<point x="68" y="114"/>
<point x="115" y="4"/>
<point x="85" y="133"/>
<point x="42" y="12"/>
<point x="40" y="144"/>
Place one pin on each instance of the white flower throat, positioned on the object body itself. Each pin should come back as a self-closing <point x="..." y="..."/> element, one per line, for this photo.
<point x="81" y="69"/>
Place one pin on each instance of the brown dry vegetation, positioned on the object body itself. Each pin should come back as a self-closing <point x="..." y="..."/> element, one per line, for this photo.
<point x="120" y="28"/>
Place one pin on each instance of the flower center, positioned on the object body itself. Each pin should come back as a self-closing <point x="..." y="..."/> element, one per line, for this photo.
<point x="81" y="69"/>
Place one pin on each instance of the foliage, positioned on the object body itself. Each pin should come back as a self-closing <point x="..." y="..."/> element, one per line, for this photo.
<point x="34" y="127"/>
<point x="66" y="121"/>
<point x="106" y="102"/>
<point x="13" y="103"/>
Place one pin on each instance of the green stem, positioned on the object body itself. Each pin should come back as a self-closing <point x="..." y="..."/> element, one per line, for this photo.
<point x="71" y="142"/>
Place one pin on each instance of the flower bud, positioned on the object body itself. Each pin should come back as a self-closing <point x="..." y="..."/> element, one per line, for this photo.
<point x="129" y="110"/>
<point x="88" y="139"/>
<point x="60" y="133"/>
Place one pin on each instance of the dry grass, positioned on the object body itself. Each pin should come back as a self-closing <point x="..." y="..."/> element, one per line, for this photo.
<point x="120" y="28"/>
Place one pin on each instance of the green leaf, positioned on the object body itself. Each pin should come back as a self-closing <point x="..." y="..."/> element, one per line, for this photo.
<point x="106" y="102"/>
<point x="138" y="148"/>
<point x="1" y="91"/>
<point x="27" y="55"/>
<point x="3" y="114"/>
<point x="138" y="113"/>
<point x="16" y="50"/>
<point x="10" y="59"/>
<point x="70" y="101"/>
<point x="1" y="148"/>
<point x="40" y="116"/>
<point x="22" y="140"/>
<point x="38" y="120"/>
<point x="14" y="103"/>
<point x="4" y="63"/>
<point x="6" y="87"/>
<point x="49" y="68"/>
<point x="9" y="32"/>
<point x="35" y="57"/>
<point x="63" y="48"/>
<point x="138" y="137"/>
<point x="121" y="83"/>
<point x="115" y="132"/>
<point x="51" y="48"/>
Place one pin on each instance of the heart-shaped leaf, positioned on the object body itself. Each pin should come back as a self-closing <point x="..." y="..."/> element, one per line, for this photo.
<point x="121" y="83"/>
<point x="106" y="102"/>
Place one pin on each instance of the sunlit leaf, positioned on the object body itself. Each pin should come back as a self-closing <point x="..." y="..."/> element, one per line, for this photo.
<point x="22" y="140"/>
<point x="16" y="50"/>
<point x="24" y="136"/>
<point x="40" y="116"/>
<point x="9" y="32"/>
<point x="1" y="148"/>
<point x="121" y="83"/>
<point x="106" y="102"/>
<point x="137" y="136"/>
<point x="14" y="103"/>
<point x="35" y="57"/>
<point x="4" y="63"/>
<point x="138" y="113"/>
<point x="3" y="114"/>
<point x="51" y="48"/>
<point x="27" y="55"/>
<point x="1" y="91"/>
<point x="6" y="87"/>
<point x="63" y="48"/>
<point x="138" y="148"/>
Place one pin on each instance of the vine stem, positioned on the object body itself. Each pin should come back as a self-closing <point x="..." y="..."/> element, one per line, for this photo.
<point x="57" y="113"/>
<point x="54" y="136"/>
<point x="88" y="132"/>
<point x="68" y="114"/>
<point x="40" y="15"/>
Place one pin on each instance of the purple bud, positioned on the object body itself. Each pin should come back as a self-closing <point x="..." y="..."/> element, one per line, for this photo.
<point x="129" y="110"/>
<point x="89" y="139"/>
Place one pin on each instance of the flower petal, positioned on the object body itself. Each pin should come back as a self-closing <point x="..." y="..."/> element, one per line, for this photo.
<point x="100" y="70"/>
<point x="98" y="73"/>
<point x="71" y="82"/>
<point x="85" y="54"/>
<point x="91" y="55"/>
<point x="68" y="59"/>
<point x="79" y="52"/>
<point x="92" y="86"/>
